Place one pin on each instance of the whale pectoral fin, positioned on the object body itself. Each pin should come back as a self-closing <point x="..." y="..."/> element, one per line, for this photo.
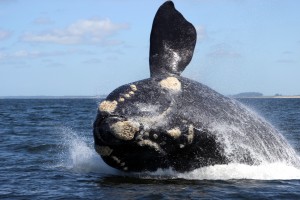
<point x="172" y="41"/>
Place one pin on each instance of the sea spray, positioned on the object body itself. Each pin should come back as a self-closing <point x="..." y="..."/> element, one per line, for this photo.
<point x="78" y="154"/>
<point x="249" y="139"/>
<point x="271" y="171"/>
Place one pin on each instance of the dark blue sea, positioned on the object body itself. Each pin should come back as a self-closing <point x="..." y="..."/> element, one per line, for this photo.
<point x="46" y="152"/>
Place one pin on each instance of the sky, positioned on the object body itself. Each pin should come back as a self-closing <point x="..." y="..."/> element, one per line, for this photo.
<point x="91" y="47"/>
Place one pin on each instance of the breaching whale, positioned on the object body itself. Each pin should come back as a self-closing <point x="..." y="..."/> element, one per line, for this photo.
<point x="168" y="121"/>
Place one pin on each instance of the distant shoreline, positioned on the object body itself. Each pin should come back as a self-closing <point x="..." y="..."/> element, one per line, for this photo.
<point x="271" y="97"/>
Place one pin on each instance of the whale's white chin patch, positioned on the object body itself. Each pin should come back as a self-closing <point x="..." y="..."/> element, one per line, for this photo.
<point x="108" y="106"/>
<point x="125" y="130"/>
<point x="171" y="83"/>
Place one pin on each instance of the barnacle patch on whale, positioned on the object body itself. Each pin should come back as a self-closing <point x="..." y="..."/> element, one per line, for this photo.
<point x="133" y="87"/>
<point x="171" y="83"/>
<point x="108" y="106"/>
<point x="190" y="136"/>
<point x="174" y="133"/>
<point x="121" y="99"/>
<point x="125" y="130"/>
<point x="117" y="160"/>
<point x="127" y="96"/>
<point x="151" y="144"/>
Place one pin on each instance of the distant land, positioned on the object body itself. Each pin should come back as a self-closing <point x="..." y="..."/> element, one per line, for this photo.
<point x="247" y="95"/>
<point x="260" y="95"/>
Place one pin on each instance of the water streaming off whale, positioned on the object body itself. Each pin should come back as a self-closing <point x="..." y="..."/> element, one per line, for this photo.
<point x="78" y="155"/>
<point x="252" y="143"/>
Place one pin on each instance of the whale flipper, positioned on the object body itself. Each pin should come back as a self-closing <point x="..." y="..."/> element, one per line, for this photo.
<point x="172" y="41"/>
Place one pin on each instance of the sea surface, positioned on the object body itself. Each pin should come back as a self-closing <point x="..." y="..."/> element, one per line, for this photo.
<point x="46" y="152"/>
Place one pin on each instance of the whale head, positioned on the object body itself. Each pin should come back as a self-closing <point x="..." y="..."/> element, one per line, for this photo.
<point x="136" y="126"/>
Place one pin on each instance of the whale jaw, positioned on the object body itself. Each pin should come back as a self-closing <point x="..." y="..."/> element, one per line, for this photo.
<point x="122" y="145"/>
<point x="126" y="145"/>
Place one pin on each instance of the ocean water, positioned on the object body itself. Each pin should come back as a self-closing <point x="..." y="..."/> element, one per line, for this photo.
<point x="46" y="151"/>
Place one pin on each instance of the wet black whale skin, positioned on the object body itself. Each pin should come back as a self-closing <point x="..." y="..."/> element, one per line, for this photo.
<point x="187" y="110"/>
<point x="170" y="30"/>
<point x="214" y="129"/>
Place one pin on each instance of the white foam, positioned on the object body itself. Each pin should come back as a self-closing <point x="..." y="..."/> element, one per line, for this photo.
<point x="271" y="171"/>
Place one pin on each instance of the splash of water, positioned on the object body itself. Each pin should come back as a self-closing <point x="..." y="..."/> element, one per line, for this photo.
<point x="267" y="171"/>
<point x="249" y="138"/>
<point x="79" y="155"/>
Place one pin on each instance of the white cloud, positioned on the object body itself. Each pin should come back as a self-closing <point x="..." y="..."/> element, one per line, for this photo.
<point x="19" y="54"/>
<point x="4" y="34"/>
<point x="84" y="31"/>
<point x="24" y="54"/>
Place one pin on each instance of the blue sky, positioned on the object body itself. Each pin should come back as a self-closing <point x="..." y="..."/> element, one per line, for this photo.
<point x="90" y="47"/>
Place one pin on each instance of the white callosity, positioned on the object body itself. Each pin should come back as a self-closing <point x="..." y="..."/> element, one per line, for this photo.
<point x="121" y="99"/>
<point x="125" y="130"/>
<point x="128" y="95"/>
<point x="108" y="106"/>
<point x="190" y="135"/>
<point x="151" y="144"/>
<point x="117" y="160"/>
<point x="171" y="84"/>
<point x="174" y="133"/>
<point x="133" y="88"/>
